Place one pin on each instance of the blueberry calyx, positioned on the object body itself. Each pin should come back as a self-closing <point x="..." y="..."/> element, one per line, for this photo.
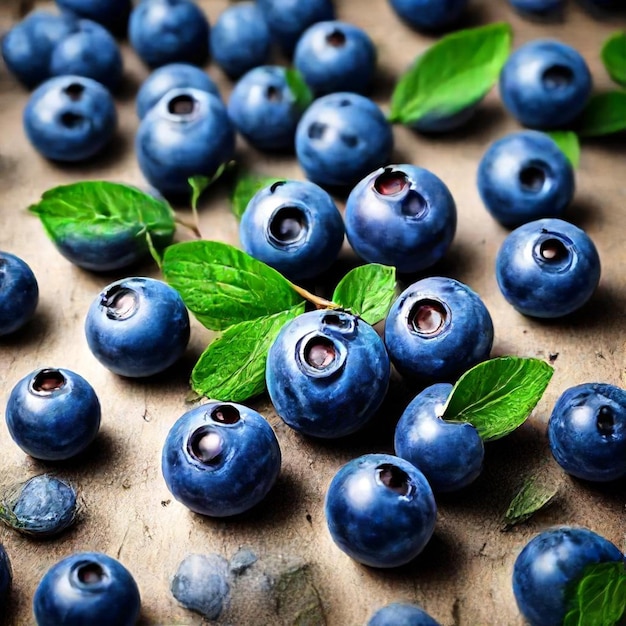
<point x="395" y="479"/>
<point x="120" y="302"/>
<point x="336" y="38"/>
<point x="428" y="317"/>
<point x="183" y="105"/>
<point x="273" y="93"/>
<point x="47" y="381"/>
<point x="345" y="324"/>
<point x="533" y="177"/>
<point x="288" y="225"/>
<point x="74" y="91"/>
<point x="394" y="183"/>
<point x="71" y="120"/>
<point x="320" y="353"/>
<point x="88" y="575"/>
<point x="316" y="130"/>
<point x="557" y="77"/>
<point x="605" y="421"/>
<point x="225" y="414"/>
<point x="206" y="445"/>
<point x="553" y="252"/>
<point x="320" y="356"/>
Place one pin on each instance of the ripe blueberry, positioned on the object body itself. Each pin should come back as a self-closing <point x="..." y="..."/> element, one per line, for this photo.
<point x="19" y="293"/>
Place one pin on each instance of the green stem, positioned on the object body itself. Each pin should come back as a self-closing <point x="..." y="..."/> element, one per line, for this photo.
<point x="194" y="227"/>
<point x="319" y="302"/>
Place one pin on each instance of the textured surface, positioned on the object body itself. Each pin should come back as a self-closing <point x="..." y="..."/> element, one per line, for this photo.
<point x="464" y="575"/>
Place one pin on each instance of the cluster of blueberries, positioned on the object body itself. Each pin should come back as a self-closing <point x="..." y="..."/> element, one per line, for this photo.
<point x="220" y="459"/>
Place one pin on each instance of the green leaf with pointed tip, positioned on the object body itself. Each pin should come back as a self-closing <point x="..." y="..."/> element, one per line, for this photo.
<point x="100" y="212"/>
<point x="245" y="189"/>
<point x="604" y="114"/>
<point x="498" y="395"/>
<point x="232" y="368"/>
<point x="222" y="285"/>
<point x="199" y="184"/>
<point x="567" y="141"/>
<point x="536" y="493"/>
<point x="599" y="596"/>
<point x="614" y="57"/>
<point x="455" y="73"/>
<point x="367" y="291"/>
<point x="298" y="87"/>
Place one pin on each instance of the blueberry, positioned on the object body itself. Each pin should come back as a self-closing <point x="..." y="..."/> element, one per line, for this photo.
<point x="293" y="226"/>
<point x="240" y="39"/>
<point x="327" y="373"/>
<point x="525" y="176"/>
<point x="436" y="329"/>
<point x="335" y="56"/>
<point x="187" y="133"/>
<point x="70" y="118"/>
<point x="27" y="46"/>
<point x="342" y="137"/>
<point x="401" y="614"/>
<point x="137" y="327"/>
<point x="89" y="51"/>
<point x="380" y="510"/>
<point x="112" y="14"/>
<point x="547" y="567"/>
<point x="220" y="459"/>
<point x="42" y="506"/>
<point x="288" y="19"/>
<point x="545" y="84"/>
<point x="201" y="584"/>
<point x="587" y="431"/>
<point x="19" y="293"/>
<point x="401" y="215"/>
<point x="450" y="454"/>
<point x="87" y="588"/>
<point x="547" y="268"/>
<point x="53" y="414"/>
<point x="264" y="109"/>
<point x="169" y="31"/>
<point x="172" y="76"/>
<point x="429" y="14"/>
<point x="6" y="574"/>
<point x="538" y="7"/>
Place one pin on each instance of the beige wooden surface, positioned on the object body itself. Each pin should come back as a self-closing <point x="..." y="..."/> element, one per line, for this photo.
<point x="464" y="575"/>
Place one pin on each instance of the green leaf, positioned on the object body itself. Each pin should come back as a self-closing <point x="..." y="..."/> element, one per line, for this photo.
<point x="614" y="57"/>
<point x="567" y="141"/>
<point x="604" y="114"/>
<point x="98" y="211"/>
<point x="453" y="74"/>
<point x="222" y="285"/>
<point x="232" y="368"/>
<point x="535" y="494"/>
<point x="199" y="184"/>
<point x="599" y="596"/>
<point x="496" y="396"/>
<point x="298" y="87"/>
<point x="367" y="291"/>
<point x="245" y="189"/>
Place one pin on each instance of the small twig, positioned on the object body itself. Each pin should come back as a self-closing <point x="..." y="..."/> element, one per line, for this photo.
<point x="320" y="303"/>
<point x="193" y="227"/>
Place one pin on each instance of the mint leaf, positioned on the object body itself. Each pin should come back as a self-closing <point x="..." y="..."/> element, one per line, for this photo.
<point x="232" y="368"/>
<point x="454" y="73"/>
<point x="604" y="114"/>
<point x="298" y="87"/>
<point x="245" y="189"/>
<point x="496" y="396"/>
<point x="367" y="291"/>
<point x="567" y="141"/>
<point x="222" y="285"/>
<point x="599" y="596"/>
<point x="614" y="57"/>
<point x="535" y="494"/>
<point x="98" y="211"/>
<point x="199" y="184"/>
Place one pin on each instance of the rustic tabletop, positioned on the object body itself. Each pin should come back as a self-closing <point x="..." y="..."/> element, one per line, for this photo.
<point x="464" y="575"/>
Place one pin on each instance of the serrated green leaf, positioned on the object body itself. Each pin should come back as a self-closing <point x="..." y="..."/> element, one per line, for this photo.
<point x="222" y="285"/>
<point x="232" y="368"/>
<point x="367" y="291"/>
<point x="614" y="57"/>
<point x="101" y="212"/>
<point x="599" y="596"/>
<point x="298" y="87"/>
<point x="535" y="494"/>
<point x="245" y="189"/>
<point x="568" y="143"/>
<point x="453" y="74"/>
<point x="604" y="114"/>
<point x="498" y="395"/>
